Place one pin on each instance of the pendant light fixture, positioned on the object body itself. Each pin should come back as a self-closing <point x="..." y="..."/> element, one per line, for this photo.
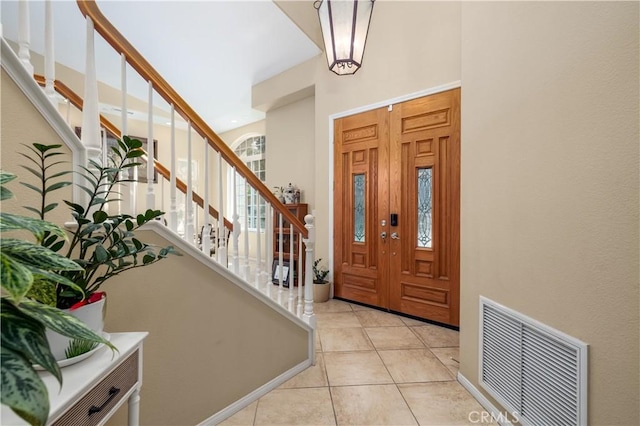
<point x="344" y="24"/>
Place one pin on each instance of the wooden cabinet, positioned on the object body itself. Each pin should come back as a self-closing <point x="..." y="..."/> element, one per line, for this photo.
<point x="291" y="261"/>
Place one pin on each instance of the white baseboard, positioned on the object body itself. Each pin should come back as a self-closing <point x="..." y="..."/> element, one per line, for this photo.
<point x="496" y="414"/>
<point x="256" y="394"/>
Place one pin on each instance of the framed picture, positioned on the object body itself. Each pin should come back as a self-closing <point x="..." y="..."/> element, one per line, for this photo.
<point x="112" y="141"/>
<point x="280" y="271"/>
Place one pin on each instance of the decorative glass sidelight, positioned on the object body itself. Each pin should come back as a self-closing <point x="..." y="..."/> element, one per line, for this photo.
<point x="358" y="208"/>
<point x="425" y="203"/>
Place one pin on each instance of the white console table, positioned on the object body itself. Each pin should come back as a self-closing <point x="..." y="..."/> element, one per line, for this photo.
<point x="94" y="389"/>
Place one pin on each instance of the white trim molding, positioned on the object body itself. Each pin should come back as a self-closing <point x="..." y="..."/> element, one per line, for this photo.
<point x="255" y="395"/>
<point x="14" y="68"/>
<point x="380" y="104"/>
<point x="495" y="414"/>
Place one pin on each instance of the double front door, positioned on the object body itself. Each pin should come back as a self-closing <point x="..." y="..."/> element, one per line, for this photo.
<point x="397" y="207"/>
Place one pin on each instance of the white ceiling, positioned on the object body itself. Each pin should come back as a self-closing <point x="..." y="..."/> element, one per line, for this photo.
<point x="211" y="52"/>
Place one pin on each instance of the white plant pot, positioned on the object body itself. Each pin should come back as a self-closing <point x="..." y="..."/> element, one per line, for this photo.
<point x="92" y="314"/>
<point x="321" y="292"/>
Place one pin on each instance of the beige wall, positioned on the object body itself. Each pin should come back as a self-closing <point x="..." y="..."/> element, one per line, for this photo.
<point x="550" y="181"/>
<point x="210" y="342"/>
<point x="21" y="123"/>
<point x="290" y="148"/>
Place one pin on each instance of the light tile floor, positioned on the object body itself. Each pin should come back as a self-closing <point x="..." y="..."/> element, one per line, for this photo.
<point x="373" y="368"/>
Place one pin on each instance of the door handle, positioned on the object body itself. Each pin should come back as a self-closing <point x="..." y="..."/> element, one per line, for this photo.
<point x="394" y="236"/>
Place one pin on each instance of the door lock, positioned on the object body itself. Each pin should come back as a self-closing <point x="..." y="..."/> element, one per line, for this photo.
<point x="394" y="236"/>
<point x="383" y="235"/>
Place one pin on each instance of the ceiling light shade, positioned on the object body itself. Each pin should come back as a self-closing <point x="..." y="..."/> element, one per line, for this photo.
<point x="344" y="24"/>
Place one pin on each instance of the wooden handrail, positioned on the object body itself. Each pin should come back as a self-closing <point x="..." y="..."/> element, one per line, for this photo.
<point x="90" y="9"/>
<point x="77" y="102"/>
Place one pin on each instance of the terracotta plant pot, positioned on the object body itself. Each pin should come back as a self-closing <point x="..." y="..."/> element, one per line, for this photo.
<point x="92" y="314"/>
<point x="321" y="292"/>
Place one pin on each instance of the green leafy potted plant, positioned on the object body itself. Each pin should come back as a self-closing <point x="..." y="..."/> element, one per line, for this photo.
<point x="23" y="321"/>
<point x="321" y="287"/>
<point x="103" y="244"/>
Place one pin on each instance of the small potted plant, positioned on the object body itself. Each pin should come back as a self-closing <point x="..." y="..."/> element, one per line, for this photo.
<point x="321" y="286"/>
<point x="103" y="244"/>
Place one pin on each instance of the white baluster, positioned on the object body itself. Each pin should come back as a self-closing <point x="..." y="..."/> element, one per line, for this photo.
<point x="222" y="232"/>
<point x="206" y="240"/>
<point x="123" y="94"/>
<point x="268" y="244"/>
<point x="280" y="250"/>
<point x="133" y="193"/>
<point x="246" y="269"/>
<point x="49" y="55"/>
<point x="151" y="154"/>
<point x="292" y="280"/>
<point x="68" y="102"/>
<point x="196" y="221"/>
<point x="91" y="113"/>
<point x="173" y="202"/>
<point x="300" y="275"/>
<point x="268" y="236"/>
<point x="24" y="35"/>
<point x="123" y="119"/>
<point x="188" y="233"/>
<point x="236" y="226"/>
<point x="309" y="242"/>
<point x="104" y="159"/>
<point x="259" y="266"/>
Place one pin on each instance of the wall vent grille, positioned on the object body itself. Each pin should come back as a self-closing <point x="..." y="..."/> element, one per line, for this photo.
<point x="536" y="372"/>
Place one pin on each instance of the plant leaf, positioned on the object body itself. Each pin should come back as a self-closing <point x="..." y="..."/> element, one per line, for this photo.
<point x="16" y="278"/>
<point x="5" y="194"/>
<point x="37" y="227"/>
<point x="35" y="188"/>
<point x="22" y="388"/>
<point x="24" y="334"/>
<point x="38" y="256"/>
<point x="101" y="254"/>
<point x="75" y="207"/>
<point x="6" y="177"/>
<point x="56" y="278"/>
<point x="57" y="185"/>
<point x="100" y="216"/>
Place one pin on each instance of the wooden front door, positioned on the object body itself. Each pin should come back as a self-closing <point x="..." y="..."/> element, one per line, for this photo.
<point x="397" y="207"/>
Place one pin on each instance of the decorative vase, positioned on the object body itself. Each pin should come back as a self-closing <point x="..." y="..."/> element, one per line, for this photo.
<point x="321" y="292"/>
<point x="92" y="314"/>
<point x="289" y="194"/>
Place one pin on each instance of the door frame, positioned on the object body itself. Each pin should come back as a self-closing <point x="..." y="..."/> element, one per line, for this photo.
<point x="398" y="99"/>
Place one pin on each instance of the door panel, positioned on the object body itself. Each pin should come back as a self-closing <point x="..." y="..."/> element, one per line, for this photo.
<point x="424" y="265"/>
<point x="361" y="199"/>
<point x="406" y="162"/>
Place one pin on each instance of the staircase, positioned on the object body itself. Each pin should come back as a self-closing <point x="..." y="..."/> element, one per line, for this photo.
<point x="244" y="258"/>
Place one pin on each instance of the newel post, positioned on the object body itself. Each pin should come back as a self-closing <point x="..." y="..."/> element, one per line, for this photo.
<point x="309" y="243"/>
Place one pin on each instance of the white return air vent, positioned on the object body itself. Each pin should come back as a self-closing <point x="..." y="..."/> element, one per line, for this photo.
<point x="536" y="372"/>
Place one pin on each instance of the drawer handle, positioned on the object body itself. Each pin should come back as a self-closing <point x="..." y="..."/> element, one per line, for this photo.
<point x="112" y="394"/>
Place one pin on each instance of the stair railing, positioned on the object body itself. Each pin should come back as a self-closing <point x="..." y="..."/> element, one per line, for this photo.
<point x="73" y="99"/>
<point x="254" y="264"/>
